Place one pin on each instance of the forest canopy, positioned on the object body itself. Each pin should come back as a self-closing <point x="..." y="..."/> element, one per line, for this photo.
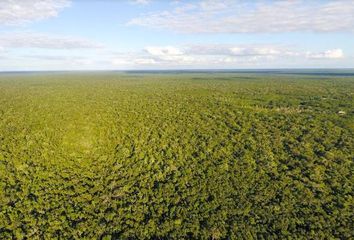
<point x="182" y="156"/>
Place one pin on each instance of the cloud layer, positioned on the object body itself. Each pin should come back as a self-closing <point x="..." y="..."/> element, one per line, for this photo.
<point x="141" y="2"/>
<point x="221" y="56"/>
<point x="233" y="16"/>
<point x="24" y="11"/>
<point x="329" y="54"/>
<point x="45" y="41"/>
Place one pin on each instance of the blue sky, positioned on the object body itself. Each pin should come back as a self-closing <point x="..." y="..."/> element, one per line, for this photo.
<point x="177" y="34"/>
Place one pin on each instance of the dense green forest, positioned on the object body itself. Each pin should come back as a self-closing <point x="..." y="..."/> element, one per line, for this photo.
<point x="176" y="156"/>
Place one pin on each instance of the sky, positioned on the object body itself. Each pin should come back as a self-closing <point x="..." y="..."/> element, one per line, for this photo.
<point x="42" y="35"/>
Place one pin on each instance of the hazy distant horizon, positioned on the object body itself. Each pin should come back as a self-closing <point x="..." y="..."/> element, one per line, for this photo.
<point x="283" y="71"/>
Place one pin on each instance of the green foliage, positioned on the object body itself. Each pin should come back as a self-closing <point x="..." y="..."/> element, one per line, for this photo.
<point x="218" y="156"/>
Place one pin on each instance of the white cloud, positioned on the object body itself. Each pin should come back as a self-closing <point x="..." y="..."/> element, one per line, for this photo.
<point x="242" y="50"/>
<point x="329" y="54"/>
<point x="120" y="62"/>
<point x="141" y="2"/>
<point x="220" y="56"/>
<point x="227" y="16"/>
<point x="54" y="57"/>
<point x="257" y="51"/>
<point x="168" y="54"/>
<point x="144" y="61"/>
<point x="163" y="51"/>
<point x="17" y="12"/>
<point x="213" y="5"/>
<point x="40" y="40"/>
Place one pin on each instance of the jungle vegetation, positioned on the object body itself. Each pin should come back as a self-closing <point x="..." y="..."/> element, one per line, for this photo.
<point x="176" y="156"/>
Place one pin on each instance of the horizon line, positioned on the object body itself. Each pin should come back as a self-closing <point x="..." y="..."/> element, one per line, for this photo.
<point x="177" y="69"/>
